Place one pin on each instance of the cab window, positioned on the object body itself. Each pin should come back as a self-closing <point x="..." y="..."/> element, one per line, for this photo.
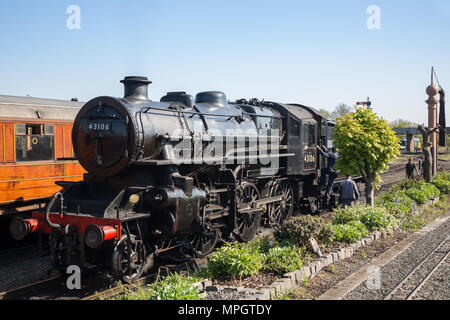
<point x="294" y="129"/>
<point x="34" y="142"/>
<point x="305" y="133"/>
<point x="312" y="134"/>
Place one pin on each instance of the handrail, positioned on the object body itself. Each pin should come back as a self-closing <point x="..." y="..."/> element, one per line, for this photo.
<point x="146" y="109"/>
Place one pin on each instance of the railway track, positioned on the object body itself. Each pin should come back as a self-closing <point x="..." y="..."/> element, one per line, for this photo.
<point x="22" y="292"/>
<point x="93" y="287"/>
<point x="55" y="288"/>
<point x="409" y="288"/>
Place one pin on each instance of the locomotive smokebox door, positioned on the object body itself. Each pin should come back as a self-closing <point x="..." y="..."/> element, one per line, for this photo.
<point x="101" y="136"/>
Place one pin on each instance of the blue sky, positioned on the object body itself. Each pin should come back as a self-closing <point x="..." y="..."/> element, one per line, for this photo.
<point x="318" y="53"/>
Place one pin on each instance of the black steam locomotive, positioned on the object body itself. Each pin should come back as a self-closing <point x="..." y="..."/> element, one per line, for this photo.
<point x="179" y="175"/>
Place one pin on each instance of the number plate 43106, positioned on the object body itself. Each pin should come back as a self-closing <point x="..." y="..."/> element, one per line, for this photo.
<point x="100" y="126"/>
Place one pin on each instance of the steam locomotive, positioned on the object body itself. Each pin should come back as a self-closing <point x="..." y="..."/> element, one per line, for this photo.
<point x="178" y="176"/>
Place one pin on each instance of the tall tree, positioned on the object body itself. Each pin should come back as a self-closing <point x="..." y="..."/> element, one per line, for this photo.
<point x="341" y="110"/>
<point x="326" y="114"/>
<point x="366" y="145"/>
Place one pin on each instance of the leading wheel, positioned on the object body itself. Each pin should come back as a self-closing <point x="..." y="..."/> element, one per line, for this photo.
<point x="204" y="242"/>
<point x="247" y="223"/>
<point x="128" y="258"/>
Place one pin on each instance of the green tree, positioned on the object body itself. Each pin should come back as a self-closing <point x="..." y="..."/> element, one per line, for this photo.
<point x="341" y="110"/>
<point x="366" y="145"/>
<point x="325" y="113"/>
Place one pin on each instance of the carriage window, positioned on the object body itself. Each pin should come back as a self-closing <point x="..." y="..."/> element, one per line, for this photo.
<point x="49" y="130"/>
<point x="34" y="142"/>
<point x="294" y="128"/>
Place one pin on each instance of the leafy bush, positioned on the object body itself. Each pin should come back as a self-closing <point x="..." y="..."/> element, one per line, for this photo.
<point x="423" y="192"/>
<point x="346" y="215"/>
<point x="417" y="195"/>
<point x="431" y="190"/>
<point x="411" y="222"/>
<point x="398" y="203"/>
<point x="326" y="234"/>
<point x="236" y="260"/>
<point x="283" y="259"/>
<point x="377" y="218"/>
<point x="299" y="230"/>
<point x="172" y="287"/>
<point x="406" y="184"/>
<point x="444" y="175"/>
<point x="350" y="232"/>
<point x="442" y="184"/>
<point x="374" y="218"/>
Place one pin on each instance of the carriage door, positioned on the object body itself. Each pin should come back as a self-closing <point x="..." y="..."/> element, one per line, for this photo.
<point x="294" y="146"/>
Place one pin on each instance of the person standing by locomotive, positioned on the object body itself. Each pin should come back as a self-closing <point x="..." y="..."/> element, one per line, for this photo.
<point x="332" y="174"/>
<point x="410" y="168"/>
<point x="349" y="191"/>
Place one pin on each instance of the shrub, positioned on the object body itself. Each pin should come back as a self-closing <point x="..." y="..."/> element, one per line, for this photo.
<point x="431" y="190"/>
<point x="236" y="260"/>
<point x="261" y="244"/>
<point x="442" y="184"/>
<point x="423" y="192"/>
<point x="326" y="234"/>
<point x="377" y="218"/>
<point x="444" y="175"/>
<point x="283" y="259"/>
<point x="299" y="230"/>
<point x="417" y="195"/>
<point x="398" y="203"/>
<point x="412" y="222"/>
<point x="350" y="232"/>
<point x="172" y="287"/>
<point x="346" y="215"/>
<point x="406" y="184"/>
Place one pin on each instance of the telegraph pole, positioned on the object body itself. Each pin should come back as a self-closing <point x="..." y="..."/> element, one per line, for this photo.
<point x="432" y="91"/>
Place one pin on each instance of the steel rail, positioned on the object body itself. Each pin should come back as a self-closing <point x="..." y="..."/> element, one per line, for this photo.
<point x="421" y="284"/>
<point x="410" y="274"/>
<point x="18" y="292"/>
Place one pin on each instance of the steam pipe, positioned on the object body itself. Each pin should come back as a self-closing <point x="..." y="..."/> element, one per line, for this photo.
<point x="48" y="208"/>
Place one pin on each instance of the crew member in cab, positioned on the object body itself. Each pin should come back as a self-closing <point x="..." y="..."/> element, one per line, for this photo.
<point x="332" y="174"/>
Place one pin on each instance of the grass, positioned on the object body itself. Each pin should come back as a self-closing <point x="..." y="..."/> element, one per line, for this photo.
<point x="295" y="294"/>
<point x="445" y="157"/>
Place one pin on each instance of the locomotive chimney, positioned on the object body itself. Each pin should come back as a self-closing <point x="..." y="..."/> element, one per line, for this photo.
<point x="136" y="88"/>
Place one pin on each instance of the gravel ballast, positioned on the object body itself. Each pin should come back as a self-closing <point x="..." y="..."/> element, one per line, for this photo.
<point x="23" y="268"/>
<point x="396" y="270"/>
